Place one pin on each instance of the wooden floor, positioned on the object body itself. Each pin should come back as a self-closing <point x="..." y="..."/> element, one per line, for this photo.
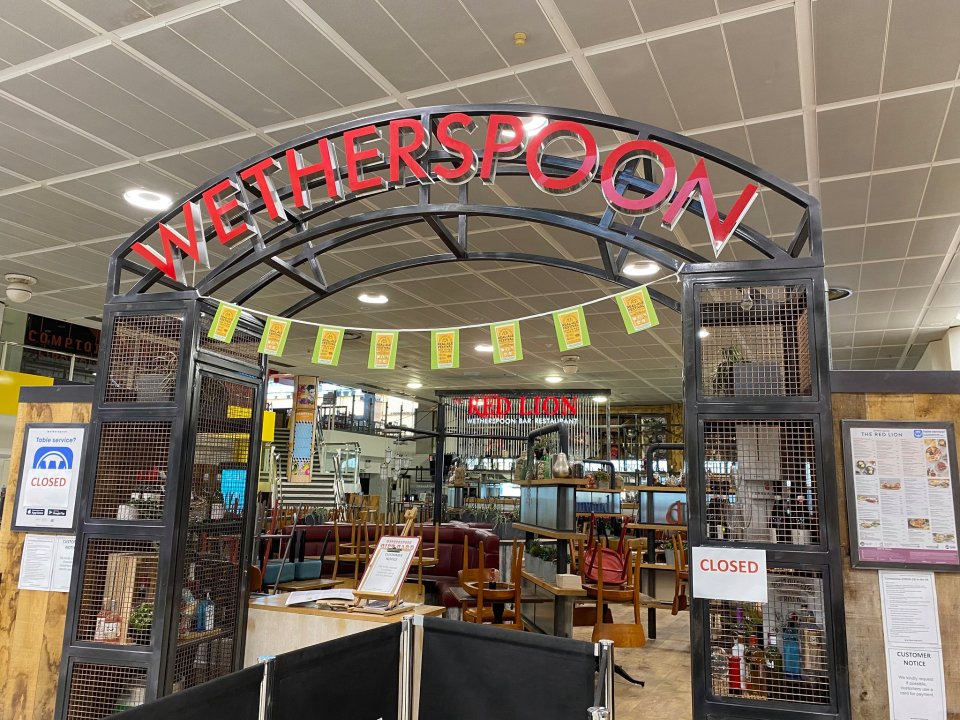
<point x="663" y="664"/>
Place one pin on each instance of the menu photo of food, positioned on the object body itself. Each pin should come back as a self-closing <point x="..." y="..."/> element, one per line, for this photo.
<point x="891" y="485"/>
<point x="918" y="523"/>
<point x="866" y="467"/>
<point x="868" y="499"/>
<point x="939" y="483"/>
<point x="944" y="538"/>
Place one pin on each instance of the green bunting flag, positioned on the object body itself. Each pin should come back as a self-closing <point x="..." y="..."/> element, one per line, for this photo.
<point x="383" y="350"/>
<point x="326" y="350"/>
<point x="224" y="322"/>
<point x="571" y="328"/>
<point x="505" y="338"/>
<point x="274" y="336"/>
<point x="444" y="349"/>
<point x="637" y="310"/>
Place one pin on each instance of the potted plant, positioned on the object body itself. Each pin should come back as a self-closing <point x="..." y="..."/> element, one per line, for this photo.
<point x="138" y="629"/>
<point x="666" y="546"/>
<point x="602" y="479"/>
<point x="723" y="371"/>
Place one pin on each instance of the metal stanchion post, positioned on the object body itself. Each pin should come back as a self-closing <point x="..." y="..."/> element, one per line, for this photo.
<point x="598" y="713"/>
<point x="606" y="652"/>
<point x="269" y="663"/>
<point x="406" y="668"/>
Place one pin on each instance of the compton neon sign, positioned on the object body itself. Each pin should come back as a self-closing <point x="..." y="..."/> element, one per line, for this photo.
<point x="346" y="172"/>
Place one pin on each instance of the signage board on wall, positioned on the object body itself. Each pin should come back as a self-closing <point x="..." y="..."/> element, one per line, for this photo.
<point x="49" y="477"/>
<point x="914" y="651"/>
<point x="61" y="336"/>
<point x="303" y="420"/>
<point x="902" y="497"/>
<point x="724" y="573"/>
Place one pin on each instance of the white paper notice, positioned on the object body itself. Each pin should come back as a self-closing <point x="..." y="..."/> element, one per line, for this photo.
<point x="722" y="573"/>
<point x="47" y="491"/>
<point x="47" y="562"/>
<point x="389" y="565"/>
<point x="911" y="631"/>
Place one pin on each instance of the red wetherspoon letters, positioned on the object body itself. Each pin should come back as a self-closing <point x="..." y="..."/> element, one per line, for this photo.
<point x="407" y="141"/>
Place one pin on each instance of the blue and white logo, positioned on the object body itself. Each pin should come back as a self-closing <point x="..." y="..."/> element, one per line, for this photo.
<point x="918" y="433"/>
<point x="53" y="458"/>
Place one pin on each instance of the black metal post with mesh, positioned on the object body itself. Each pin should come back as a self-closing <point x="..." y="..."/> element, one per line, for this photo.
<point x="168" y="501"/>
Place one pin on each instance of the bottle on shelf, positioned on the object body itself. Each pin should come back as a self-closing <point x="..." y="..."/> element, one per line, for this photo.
<point x="107" y="628"/>
<point x="736" y="666"/>
<point x="755" y="664"/>
<point x="206" y="613"/>
<point x="774" y="668"/>
<point x="792" y="664"/>
<point x="217" y="505"/>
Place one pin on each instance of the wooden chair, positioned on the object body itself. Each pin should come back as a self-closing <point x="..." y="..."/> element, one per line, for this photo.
<point x="347" y="552"/>
<point x="422" y="561"/>
<point x="622" y="634"/>
<point x="483" y="611"/>
<point x="479" y="575"/>
<point x="681" y="575"/>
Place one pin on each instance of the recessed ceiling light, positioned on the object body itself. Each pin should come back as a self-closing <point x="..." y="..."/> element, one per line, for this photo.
<point x="147" y="199"/>
<point x="641" y="269"/>
<point x="703" y="332"/>
<point x="838" y="293"/>
<point x="554" y="379"/>
<point x="372" y="298"/>
<point x="599" y="398"/>
<point x="484" y="348"/>
<point x="414" y="385"/>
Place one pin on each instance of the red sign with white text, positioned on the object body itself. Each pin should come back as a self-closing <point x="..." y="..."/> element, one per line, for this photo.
<point x="500" y="406"/>
<point x="347" y="172"/>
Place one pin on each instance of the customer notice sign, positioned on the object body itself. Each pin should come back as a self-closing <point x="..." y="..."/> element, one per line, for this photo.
<point x="729" y="574"/>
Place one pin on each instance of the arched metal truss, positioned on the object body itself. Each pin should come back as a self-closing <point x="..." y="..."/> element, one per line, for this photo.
<point x="315" y="234"/>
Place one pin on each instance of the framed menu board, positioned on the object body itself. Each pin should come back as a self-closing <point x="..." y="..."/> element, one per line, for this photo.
<point x="902" y="498"/>
<point x="388" y="568"/>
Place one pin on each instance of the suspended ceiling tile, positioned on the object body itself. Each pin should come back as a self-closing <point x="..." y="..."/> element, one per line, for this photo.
<point x="895" y="196"/>
<point x="695" y="68"/>
<point x="779" y="147"/>
<point x="170" y="50"/>
<point x="621" y="73"/>
<point x="497" y="90"/>
<point x="932" y="237"/>
<point x="909" y="128"/>
<point x="949" y="147"/>
<point x="17" y="46"/>
<point x="881" y="275"/>
<point x="910" y="297"/>
<point x="921" y="44"/>
<point x="843" y="246"/>
<point x="903" y="318"/>
<point x="499" y="19"/>
<point x="845" y="139"/>
<point x="599" y="21"/>
<point x="948" y="295"/>
<point x="920" y="272"/>
<point x="114" y="14"/>
<point x="844" y="202"/>
<point x="562" y="85"/>
<point x="60" y="216"/>
<point x="847" y="276"/>
<point x="848" y="48"/>
<point x="872" y="301"/>
<point x="888" y="241"/>
<point x="106" y="190"/>
<point x="377" y="37"/>
<point x="656" y="15"/>
<point x="941" y="196"/>
<point x="763" y="52"/>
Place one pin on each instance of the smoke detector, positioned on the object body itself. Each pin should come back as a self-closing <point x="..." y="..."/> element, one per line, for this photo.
<point x="569" y="364"/>
<point x="18" y="287"/>
<point x="519" y="39"/>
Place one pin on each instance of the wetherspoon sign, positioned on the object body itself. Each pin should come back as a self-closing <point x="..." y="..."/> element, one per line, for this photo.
<point x="350" y="176"/>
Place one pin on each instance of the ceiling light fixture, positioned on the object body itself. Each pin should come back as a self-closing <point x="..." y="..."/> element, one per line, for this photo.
<point x="838" y="293"/>
<point x="19" y="287"/>
<point x="372" y="298"/>
<point x="641" y="269"/>
<point x="484" y="348"/>
<point x="554" y="379"/>
<point x="147" y="199"/>
<point x="414" y="385"/>
<point x="746" y="304"/>
<point x="703" y="332"/>
<point x="600" y="399"/>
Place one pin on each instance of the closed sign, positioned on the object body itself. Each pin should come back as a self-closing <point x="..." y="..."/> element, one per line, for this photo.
<point x="729" y="574"/>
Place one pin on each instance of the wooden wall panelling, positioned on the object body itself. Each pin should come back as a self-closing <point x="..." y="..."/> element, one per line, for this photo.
<point x="31" y="622"/>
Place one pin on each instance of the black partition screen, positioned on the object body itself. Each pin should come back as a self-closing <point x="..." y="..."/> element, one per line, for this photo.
<point x="535" y="676"/>
<point x="352" y="677"/>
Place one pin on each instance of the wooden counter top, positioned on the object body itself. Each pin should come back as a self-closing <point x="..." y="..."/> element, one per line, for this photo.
<point x="275" y="603"/>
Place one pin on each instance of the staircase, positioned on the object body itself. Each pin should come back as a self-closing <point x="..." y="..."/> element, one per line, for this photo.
<point x="318" y="492"/>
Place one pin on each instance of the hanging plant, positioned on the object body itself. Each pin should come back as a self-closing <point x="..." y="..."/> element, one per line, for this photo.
<point x="723" y="372"/>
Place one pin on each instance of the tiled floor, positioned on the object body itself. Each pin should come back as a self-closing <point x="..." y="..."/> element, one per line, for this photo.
<point x="663" y="664"/>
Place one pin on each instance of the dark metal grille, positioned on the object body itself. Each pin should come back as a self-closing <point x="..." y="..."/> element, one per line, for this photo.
<point x="754" y="341"/>
<point x="119" y="590"/>
<point x="775" y="650"/>
<point x="761" y="481"/>
<point x="97" y="691"/>
<point x="131" y="471"/>
<point x="144" y="350"/>
<point x="244" y="346"/>
<point x="210" y="590"/>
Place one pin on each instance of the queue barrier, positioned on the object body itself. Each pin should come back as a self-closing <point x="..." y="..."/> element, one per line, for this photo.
<point x="427" y="668"/>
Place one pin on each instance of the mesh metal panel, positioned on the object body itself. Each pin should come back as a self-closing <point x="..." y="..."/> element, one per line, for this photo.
<point x="210" y="590"/>
<point x="754" y="341"/>
<point x="131" y="471"/>
<point x="97" y="691"/>
<point x="144" y="350"/>
<point x="244" y="345"/>
<point x="119" y="590"/>
<point x="761" y="481"/>
<point x="775" y="650"/>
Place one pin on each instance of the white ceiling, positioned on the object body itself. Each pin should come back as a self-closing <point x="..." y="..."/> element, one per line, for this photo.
<point x="851" y="99"/>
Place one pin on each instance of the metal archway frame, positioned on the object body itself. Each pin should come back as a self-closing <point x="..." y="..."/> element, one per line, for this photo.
<point x="295" y="248"/>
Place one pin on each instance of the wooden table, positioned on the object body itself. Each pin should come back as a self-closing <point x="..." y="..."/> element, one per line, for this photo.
<point x="313" y="584"/>
<point x="274" y="628"/>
